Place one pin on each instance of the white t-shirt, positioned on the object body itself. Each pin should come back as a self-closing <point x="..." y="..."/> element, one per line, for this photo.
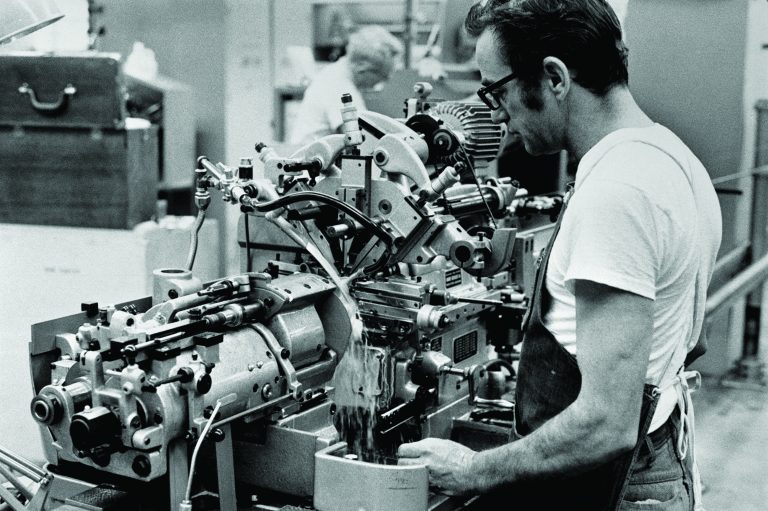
<point x="644" y="218"/>
<point x="320" y="111"/>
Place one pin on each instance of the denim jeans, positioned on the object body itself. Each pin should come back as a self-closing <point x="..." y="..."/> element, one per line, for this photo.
<point x="660" y="479"/>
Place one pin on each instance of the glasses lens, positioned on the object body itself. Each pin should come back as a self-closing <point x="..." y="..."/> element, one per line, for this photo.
<point x="488" y="99"/>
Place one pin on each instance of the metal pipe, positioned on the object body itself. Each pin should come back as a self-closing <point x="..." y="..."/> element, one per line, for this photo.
<point x="258" y="408"/>
<point x="208" y="165"/>
<point x="731" y="177"/>
<point x="728" y="265"/>
<point x="22" y="489"/>
<point x="18" y="464"/>
<point x="733" y="257"/>
<point x="193" y="238"/>
<point x="23" y="461"/>
<point x="744" y="282"/>
<point x="10" y="499"/>
<point x="757" y="171"/>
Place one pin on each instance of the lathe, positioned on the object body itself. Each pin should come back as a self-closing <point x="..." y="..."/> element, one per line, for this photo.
<point x="381" y="290"/>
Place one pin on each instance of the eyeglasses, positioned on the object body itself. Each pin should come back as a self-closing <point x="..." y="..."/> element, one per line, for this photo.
<point x="488" y="93"/>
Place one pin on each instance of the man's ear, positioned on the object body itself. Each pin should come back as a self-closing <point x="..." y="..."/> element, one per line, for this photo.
<point x="557" y="77"/>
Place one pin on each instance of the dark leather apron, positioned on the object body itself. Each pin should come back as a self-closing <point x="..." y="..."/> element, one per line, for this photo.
<point x="548" y="381"/>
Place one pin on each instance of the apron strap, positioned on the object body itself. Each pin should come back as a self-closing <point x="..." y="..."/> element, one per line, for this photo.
<point x="685" y="383"/>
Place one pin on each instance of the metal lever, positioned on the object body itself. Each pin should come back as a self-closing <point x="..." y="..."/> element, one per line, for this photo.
<point x="185" y="375"/>
<point x="52" y="107"/>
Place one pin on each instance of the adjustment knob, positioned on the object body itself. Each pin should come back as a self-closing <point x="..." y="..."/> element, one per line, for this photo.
<point x="94" y="427"/>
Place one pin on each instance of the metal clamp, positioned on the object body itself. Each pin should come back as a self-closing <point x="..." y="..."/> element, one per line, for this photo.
<point x="53" y="107"/>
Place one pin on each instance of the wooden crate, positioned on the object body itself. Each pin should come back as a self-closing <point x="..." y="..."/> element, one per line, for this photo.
<point x="78" y="177"/>
<point x="72" y="159"/>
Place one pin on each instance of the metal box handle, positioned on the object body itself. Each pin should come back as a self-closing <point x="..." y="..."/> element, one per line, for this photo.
<point x="52" y="107"/>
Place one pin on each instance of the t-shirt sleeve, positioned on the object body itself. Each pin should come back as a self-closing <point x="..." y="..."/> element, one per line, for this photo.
<point x="612" y="238"/>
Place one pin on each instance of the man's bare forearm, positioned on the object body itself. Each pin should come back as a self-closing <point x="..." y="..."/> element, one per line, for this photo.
<point x="569" y="443"/>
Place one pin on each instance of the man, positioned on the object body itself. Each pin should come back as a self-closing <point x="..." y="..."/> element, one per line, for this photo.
<point x="370" y="60"/>
<point x="623" y="284"/>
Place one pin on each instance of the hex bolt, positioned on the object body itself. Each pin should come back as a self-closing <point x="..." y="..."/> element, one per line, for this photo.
<point x="141" y="466"/>
<point x="217" y="435"/>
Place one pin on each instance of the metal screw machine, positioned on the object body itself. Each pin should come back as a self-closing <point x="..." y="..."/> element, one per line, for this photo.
<point x="378" y="301"/>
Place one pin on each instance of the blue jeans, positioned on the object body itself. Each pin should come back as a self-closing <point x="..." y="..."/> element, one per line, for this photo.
<point x="660" y="479"/>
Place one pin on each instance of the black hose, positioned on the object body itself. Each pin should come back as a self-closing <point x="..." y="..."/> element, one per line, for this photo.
<point x="342" y="206"/>
<point x="248" y="265"/>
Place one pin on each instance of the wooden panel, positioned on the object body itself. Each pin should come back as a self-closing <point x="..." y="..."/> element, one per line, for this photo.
<point x="79" y="177"/>
<point x="98" y="100"/>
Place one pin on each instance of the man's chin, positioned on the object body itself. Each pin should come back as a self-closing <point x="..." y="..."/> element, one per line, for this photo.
<point x="538" y="150"/>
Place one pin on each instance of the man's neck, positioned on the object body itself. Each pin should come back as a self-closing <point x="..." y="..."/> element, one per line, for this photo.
<point x="591" y="118"/>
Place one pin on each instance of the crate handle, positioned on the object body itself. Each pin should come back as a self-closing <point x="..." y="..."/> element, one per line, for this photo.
<point x="53" y="107"/>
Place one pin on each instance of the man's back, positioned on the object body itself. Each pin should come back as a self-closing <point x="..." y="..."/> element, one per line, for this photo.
<point x="644" y="218"/>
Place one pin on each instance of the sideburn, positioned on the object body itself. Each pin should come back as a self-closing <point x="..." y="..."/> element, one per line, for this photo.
<point x="530" y="96"/>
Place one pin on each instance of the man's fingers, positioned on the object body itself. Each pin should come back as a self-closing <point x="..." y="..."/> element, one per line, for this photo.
<point x="412" y="450"/>
<point x="410" y="461"/>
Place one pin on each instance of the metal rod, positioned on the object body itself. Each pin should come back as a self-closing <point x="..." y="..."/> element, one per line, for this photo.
<point x="480" y="301"/>
<point x="11" y="500"/>
<point x="15" y="482"/>
<point x="22" y="465"/>
<point x="727" y="266"/>
<point x="731" y="177"/>
<point x="733" y="257"/>
<point x="255" y="409"/>
<point x="210" y="167"/>
<point x="757" y="171"/>
<point x="739" y="286"/>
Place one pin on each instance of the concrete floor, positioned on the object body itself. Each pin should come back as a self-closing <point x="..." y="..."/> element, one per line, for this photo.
<point x="732" y="446"/>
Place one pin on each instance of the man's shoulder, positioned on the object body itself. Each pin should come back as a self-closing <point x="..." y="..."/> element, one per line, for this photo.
<point x="639" y="155"/>
<point x="650" y="141"/>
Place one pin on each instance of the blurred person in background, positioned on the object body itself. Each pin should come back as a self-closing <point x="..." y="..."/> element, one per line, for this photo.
<point x="371" y="55"/>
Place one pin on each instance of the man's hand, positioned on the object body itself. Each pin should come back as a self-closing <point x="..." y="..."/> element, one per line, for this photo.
<point x="448" y="463"/>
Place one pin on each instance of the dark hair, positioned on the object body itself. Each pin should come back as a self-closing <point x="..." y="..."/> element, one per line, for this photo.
<point x="584" y="34"/>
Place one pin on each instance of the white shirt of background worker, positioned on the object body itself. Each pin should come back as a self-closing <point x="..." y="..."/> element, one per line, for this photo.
<point x="370" y="59"/>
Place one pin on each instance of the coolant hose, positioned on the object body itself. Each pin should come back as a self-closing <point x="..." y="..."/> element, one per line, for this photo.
<point x="194" y="238"/>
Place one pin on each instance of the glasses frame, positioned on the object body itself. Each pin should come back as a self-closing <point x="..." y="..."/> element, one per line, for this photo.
<point x="486" y="93"/>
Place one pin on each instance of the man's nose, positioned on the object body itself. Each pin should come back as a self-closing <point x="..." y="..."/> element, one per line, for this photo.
<point x="499" y="115"/>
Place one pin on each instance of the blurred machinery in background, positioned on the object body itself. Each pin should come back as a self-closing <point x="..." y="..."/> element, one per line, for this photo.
<point x="381" y="291"/>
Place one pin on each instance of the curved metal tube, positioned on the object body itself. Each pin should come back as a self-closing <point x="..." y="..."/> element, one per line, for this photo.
<point x="194" y="239"/>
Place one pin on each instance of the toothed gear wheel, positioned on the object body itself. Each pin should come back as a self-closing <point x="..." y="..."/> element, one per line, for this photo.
<point x="471" y="123"/>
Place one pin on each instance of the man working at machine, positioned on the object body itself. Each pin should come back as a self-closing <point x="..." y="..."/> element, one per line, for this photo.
<point x="624" y="278"/>
<point x="370" y="60"/>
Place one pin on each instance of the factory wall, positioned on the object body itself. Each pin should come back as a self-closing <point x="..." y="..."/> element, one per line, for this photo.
<point x="701" y="76"/>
